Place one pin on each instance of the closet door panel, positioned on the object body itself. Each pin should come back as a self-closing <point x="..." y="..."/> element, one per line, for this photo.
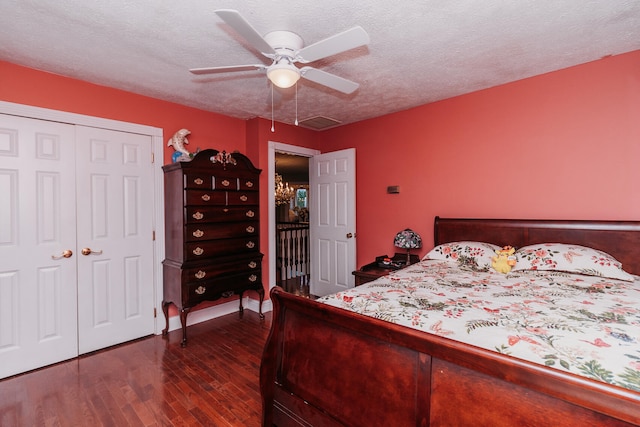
<point x="38" y="298"/>
<point x="115" y="229"/>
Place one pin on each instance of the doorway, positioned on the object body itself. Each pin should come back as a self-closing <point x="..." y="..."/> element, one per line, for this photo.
<point x="333" y="249"/>
<point x="275" y="273"/>
<point x="292" y="223"/>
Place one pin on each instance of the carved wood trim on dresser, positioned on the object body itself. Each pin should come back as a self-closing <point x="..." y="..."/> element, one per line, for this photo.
<point x="212" y="230"/>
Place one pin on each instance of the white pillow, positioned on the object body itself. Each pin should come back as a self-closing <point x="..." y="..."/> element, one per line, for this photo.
<point x="571" y="259"/>
<point x="468" y="254"/>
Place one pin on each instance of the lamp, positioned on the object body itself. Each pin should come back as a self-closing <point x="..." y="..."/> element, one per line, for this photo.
<point x="283" y="74"/>
<point x="407" y="239"/>
<point x="283" y="192"/>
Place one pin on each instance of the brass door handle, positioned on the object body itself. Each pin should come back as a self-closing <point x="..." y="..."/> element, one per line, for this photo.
<point x="67" y="253"/>
<point x="89" y="251"/>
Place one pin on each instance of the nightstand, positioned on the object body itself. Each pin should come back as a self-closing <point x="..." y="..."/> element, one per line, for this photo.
<point x="372" y="271"/>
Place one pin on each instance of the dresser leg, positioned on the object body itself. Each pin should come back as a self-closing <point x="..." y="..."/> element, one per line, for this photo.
<point x="183" y="322"/>
<point x="261" y="294"/>
<point x="240" y="299"/>
<point x="165" y="310"/>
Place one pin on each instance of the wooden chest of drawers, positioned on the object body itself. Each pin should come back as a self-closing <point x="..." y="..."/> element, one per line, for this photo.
<point x="212" y="230"/>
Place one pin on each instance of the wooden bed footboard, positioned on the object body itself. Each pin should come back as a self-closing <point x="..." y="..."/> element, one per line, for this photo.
<point x="324" y="366"/>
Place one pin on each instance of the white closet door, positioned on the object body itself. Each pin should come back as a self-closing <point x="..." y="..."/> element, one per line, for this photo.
<point x="115" y="222"/>
<point x="38" y="324"/>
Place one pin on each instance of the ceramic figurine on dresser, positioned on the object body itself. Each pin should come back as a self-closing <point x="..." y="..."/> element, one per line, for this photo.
<point x="212" y="231"/>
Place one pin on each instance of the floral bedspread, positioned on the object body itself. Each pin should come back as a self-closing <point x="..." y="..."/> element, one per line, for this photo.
<point x="586" y="325"/>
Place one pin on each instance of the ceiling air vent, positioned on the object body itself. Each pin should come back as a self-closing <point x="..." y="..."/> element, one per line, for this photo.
<point x="319" y="123"/>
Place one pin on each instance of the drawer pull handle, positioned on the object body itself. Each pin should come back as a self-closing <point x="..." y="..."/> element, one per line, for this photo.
<point x="225" y="182"/>
<point x="200" y="274"/>
<point x="225" y="210"/>
<point x="200" y="290"/>
<point x="206" y="197"/>
<point x="250" y="229"/>
<point x="253" y="278"/>
<point x="253" y="264"/>
<point x="244" y="198"/>
<point x="250" y="245"/>
<point x="198" y="251"/>
<point x="249" y="184"/>
<point x="198" y="233"/>
<point x="251" y="214"/>
<point x="198" y="215"/>
<point x="198" y="181"/>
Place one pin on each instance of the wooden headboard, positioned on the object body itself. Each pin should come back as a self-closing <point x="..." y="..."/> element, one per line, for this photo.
<point x="621" y="239"/>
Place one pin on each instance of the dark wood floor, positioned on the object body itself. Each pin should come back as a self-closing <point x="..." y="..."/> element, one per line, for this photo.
<point x="150" y="382"/>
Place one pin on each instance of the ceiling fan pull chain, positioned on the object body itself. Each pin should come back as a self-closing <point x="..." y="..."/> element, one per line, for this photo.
<point x="296" y="104"/>
<point x="273" y="129"/>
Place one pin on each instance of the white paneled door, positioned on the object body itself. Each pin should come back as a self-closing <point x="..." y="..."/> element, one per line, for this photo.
<point x="65" y="188"/>
<point x="38" y="324"/>
<point x="115" y="237"/>
<point x="332" y="221"/>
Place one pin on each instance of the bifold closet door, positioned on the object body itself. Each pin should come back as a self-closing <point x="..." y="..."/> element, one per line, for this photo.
<point x="76" y="241"/>
<point x="38" y="283"/>
<point x="115" y="237"/>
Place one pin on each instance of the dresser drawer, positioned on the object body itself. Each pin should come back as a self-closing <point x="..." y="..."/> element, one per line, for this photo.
<point x="203" y="214"/>
<point x="242" y="198"/>
<point x="248" y="184"/>
<point x="208" y="290"/>
<point x="206" y="249"/>
<point x="217" y="267"/>
<point x="225" y="183"/>
<point x="205" y="197"/>
<point x="198" y="179"/>
<point x="200" y="232"/>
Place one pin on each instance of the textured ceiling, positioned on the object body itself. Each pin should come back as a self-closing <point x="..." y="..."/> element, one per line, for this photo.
<point x="420" y="51"/>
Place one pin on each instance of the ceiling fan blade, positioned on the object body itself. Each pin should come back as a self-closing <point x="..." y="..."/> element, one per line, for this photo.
<point x="213" y="70"/>
<point x="245" y="29"/>
<point x="330" y="80"/>
<point x="341" y="42"/>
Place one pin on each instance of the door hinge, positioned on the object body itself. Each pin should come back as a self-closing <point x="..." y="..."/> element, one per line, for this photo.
<point x="155" y="312"/>
<point x="153" y="235"/>
<point x="153" y="158"/>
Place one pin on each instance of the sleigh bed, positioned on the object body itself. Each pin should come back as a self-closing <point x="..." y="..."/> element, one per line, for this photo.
<point x="324" y="365"/>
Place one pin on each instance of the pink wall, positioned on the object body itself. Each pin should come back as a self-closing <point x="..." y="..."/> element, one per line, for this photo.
<point x="563" y="145"/>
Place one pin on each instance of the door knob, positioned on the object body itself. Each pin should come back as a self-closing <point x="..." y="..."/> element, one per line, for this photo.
<point x="88" y="251"/>
<point x="67" y="253"/>
<point x="349" y="235"/>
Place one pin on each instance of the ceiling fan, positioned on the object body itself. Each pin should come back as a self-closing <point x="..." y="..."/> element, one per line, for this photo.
<point x="286" y="48"/>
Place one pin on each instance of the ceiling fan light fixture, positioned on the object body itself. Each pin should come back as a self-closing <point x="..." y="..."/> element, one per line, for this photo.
<point x="283" y="75"/>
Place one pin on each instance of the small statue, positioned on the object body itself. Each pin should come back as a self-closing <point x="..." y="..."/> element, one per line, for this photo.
<point x="178" y="141"/>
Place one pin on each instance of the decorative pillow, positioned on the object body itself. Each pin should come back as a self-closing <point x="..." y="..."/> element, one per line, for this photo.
<point x="571" y="259"/>
<point x="471" y="255"/>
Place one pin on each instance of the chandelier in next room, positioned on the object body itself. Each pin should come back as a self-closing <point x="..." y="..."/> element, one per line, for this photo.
<point x="284" y="193"/>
